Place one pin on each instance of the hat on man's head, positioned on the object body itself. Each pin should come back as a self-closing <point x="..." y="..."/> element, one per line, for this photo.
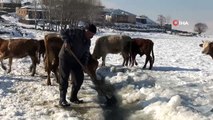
<point x="92" y="28"/>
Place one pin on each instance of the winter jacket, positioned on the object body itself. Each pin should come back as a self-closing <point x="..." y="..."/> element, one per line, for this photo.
<point x="79" y="44"/>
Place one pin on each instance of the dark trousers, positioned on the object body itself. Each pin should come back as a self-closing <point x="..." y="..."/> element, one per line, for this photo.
<point x="68" y="65"/>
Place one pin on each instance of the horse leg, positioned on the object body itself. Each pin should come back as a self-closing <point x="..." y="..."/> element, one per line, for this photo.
<point x="10" y="64"/>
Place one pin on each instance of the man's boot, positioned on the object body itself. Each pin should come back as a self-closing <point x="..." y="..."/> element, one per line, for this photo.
<point x="63" y="101"/>
<point x="74" y="97"/>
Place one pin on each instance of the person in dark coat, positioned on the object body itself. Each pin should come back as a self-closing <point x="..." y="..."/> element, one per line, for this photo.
<point x="77" y="40"/>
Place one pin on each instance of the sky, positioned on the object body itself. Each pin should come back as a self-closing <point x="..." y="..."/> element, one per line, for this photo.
<point x="179" y="87"/>
<point x="190" y="11"/>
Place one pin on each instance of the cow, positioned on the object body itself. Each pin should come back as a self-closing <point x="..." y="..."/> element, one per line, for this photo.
<point x="110" y="44"/>
<point x="207" y="48"/>
<point x="53" y="44"/>
<point x="141" y="46"/>
<point x="19" y="48"/>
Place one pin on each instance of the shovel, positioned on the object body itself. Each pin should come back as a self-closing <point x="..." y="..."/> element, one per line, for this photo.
<point x="101" y="87"/>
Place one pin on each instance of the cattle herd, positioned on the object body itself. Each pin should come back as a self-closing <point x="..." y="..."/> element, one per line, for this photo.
<point x="49" y="48"/>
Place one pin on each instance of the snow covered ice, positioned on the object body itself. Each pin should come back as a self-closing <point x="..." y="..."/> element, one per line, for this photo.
<point x="179" y="87"/>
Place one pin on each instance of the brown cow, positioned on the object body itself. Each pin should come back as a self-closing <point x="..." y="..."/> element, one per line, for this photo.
<point x="110" y="44"/>
<point x="19" y="48"/>
<point x="141" y="46"/>
<point x="53" y="44"/>
<point x="207" y="48"/>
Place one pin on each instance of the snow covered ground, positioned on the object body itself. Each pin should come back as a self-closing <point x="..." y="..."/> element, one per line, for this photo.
<point x="180" y="86"/>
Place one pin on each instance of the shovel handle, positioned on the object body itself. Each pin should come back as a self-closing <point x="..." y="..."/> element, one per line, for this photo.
<point x="89" y="73"/>
<point x="84" y="68"/>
